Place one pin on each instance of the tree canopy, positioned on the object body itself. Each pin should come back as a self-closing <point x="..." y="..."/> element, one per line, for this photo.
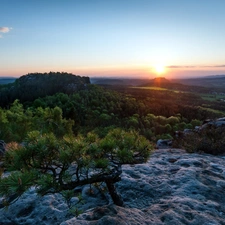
<point x="34" y="85"/>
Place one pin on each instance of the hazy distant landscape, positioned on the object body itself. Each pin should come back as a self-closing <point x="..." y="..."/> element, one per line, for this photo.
<point x="216" y="81"/>
<point x="7" y="80"/>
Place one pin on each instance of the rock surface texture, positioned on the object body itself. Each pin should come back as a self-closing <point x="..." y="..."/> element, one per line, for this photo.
<point x="173" y="187"/>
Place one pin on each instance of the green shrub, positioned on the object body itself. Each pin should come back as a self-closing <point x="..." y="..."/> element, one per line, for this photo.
<point x="210" y="140"/>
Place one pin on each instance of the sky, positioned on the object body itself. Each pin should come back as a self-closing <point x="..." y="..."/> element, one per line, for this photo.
<point x="113" y="38"/>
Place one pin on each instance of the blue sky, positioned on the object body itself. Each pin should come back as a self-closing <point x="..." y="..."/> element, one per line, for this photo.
<point x="112" y="38"/>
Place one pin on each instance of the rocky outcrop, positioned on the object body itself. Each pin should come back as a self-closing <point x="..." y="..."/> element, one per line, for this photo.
<point x="220" y="122"/>
<point x="173" y="187"/>
<point x="33" y="209"/>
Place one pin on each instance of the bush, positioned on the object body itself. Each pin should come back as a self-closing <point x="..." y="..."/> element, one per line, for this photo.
<point x="210" y="140"/>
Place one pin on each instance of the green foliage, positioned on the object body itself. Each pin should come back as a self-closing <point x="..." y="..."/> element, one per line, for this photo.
<point x="124" y="145"/>
<point x="210" y="140"/>
<point x="34" y="85"/>
<point x="195" y="123"/>
<point x="17" y="183"/>
<point x="96" y="108"/>
<point x="58" y="165"/>
<point x="164" y="136"/>
<point x="45" y="183"/>
<point x="101" y="163"/>
<point x="172" y="120"/>
<point x="68" y="194"/>
<point x="75" y="211"/>
<point x="16" y="122"/>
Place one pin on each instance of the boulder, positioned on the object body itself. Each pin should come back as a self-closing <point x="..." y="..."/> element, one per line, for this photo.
<point x="163" y="143"/>
<point x="220" y="122"/>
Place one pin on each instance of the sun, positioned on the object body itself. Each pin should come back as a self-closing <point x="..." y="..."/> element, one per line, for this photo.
<point x="159" y="69"/>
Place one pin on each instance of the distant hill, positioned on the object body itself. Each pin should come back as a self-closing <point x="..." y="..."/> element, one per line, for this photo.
<point x="118" y="81"/>
<point x="158" y="81"/>
<point x="7" y="80"/>
<point x="174" y="85"/>
<point x="215" y="76"/>
<point x="161" y="82"/>
<point x="214" y="81"/>
<point x="34" y="85"/>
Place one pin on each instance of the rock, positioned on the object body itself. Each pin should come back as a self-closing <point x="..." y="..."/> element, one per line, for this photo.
<point x="50" y="209"/>
<point x="34" y="209"/>
<point x="220" y="122"/>
<point x="111" y="215"/>
<point x="164" y="143"/>
<point x="173" y="187"/>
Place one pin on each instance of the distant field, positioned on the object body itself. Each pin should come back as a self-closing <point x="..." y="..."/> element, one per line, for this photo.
<point x="207" y="97"/>
<point x="153" y="88"/>
<point x="212" y="97"/>
<point x="157" y="89"/>
<point x="215" y="111"/>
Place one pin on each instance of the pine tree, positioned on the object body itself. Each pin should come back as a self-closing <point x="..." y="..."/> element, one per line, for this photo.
<point x="56" y="165"/>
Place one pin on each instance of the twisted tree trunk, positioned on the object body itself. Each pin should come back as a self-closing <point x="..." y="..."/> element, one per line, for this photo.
<point x="117" y="199"/>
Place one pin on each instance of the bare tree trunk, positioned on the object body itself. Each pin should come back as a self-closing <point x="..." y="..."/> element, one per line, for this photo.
<point x="117" y="199"/>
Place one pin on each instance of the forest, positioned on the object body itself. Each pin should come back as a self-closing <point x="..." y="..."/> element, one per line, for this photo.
<point x="54" y="122"/>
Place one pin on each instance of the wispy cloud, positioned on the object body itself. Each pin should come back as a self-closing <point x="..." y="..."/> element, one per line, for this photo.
<point x="4" y="30"/>
<point x="217" y="66"/>
<point x="191" y="67"/>
<point x="180" y="67"/>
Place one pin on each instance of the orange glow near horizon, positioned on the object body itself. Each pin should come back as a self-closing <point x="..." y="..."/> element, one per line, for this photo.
<point x="159" y="70"/>
<point x="128" y="71"/>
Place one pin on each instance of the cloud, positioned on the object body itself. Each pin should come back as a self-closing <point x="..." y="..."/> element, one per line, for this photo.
<point x="190" y="67"/>
<point x="180" y="67"/>
<point x="218" y="66"/>
<point x="5" y="29"/>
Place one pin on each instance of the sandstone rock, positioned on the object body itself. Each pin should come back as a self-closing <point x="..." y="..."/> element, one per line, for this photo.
<point x="47" y="210"/>
<point x="173" y="187"/>
<point x="33" y="209"/>
<point x="220" y="122"/>
<point x="163" y="143"/>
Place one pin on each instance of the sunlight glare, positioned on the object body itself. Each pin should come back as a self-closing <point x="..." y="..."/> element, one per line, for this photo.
<point x="159" y="69"/>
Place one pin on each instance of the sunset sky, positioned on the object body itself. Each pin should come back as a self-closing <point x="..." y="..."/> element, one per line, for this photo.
<point x="126" y="38"/>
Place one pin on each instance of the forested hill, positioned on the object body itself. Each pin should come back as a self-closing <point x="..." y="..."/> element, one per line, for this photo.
<point x="34" y="85"/>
